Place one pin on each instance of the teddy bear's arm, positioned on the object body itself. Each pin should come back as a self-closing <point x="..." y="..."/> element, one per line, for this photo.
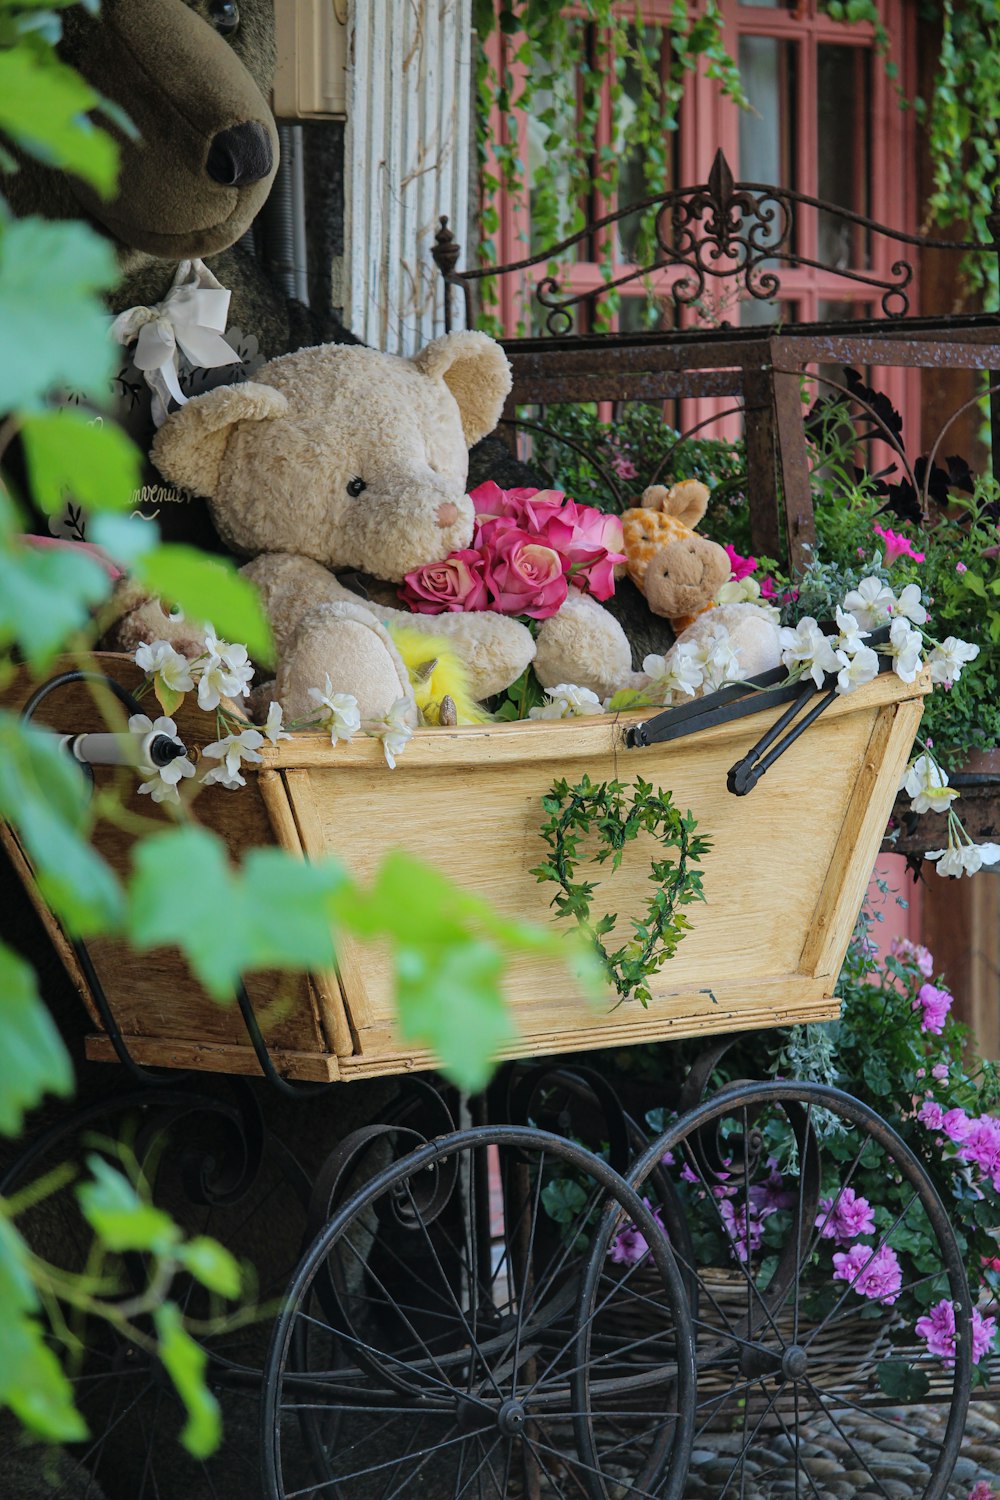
<point x="290" y="588"/>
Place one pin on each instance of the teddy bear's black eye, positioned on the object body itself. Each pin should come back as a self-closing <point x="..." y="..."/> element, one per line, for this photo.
<point x="224" y="15"/>
<point x="355" y="486"/>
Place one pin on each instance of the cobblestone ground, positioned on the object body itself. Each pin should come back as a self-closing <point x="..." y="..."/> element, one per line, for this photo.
<point x="893" y="1452"/>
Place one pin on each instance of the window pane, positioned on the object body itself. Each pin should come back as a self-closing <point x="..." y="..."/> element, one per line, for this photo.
<point x="767" y="67"/>
<point x="843" y="111"/>
<point x="556" y="191"/>
<point x="755" y="312"/>
<point x="633" y="184"/>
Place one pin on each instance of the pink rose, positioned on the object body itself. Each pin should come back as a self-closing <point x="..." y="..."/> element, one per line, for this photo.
<point x="456" y="583"/>
<point x="525" y="578"/>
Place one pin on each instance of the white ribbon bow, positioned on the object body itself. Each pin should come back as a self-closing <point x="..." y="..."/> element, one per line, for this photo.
<point x="190" y="320"/>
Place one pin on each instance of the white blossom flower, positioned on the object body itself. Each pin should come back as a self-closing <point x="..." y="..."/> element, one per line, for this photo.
<point x="947" y="660"/>
<point x="905" y="647"/>
<point x="393" y="731"/>
<point x="805" y="645"/>
<point x="162" y="783"/>
<point x="343" y="718"/>
<point x="159" y="659"/>
<point x="677" y="673"/>
<point x="908" y="604"/>
<point x="926" y="784"/>
<point x="273" y="725"/>
<point x="232" y="750"/>
<point x="964" y="859"/>
<point x="226" y="672"/>
<point x="739" y="591"/>
<point x="568" y="702"/>
<point x="872" y="602"/>
<point x="856" y="670"/>
<point x="715" y="654"/>
<point x="851" y="638"/>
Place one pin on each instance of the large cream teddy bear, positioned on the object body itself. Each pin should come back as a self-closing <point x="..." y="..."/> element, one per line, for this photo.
<point x="341" y="457"/>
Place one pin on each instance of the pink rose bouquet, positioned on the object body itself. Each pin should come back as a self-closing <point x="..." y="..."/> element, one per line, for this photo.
<point x="528" y="549"/>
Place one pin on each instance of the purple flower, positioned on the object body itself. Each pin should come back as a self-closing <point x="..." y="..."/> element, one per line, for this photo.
<point x="852" y="1216"/>
<point x="874" y="1274"/>
<point x="746" y="1232"/>
<point x="937" y="1328"/>
<point x="982" y="1491"/>
<point x="630" y="1245"/>
<point x="931" y="1114"/>
<point x="769" y="1196"/>
<point x="956" y="1124"/>
<point x="936" y="1005"/>
<point x="981" y="1146"/>
<point x="940" y="1072"/>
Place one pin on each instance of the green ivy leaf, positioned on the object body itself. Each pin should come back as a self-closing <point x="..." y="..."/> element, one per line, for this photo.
<point x="119" y="1216"/>
<point x="900" y="1381"/>
<point x="185" y="1362"/>
<point x="43" y="107"/>
<point x="46" y="596"/>
<point x="212" y="1265"/>
<point x="44" y="797"/>
<point x="33" y="1060"/>
<point x="206" y="588"/>
<point x="32" y="1383"/>
<point x="51" y="277"/>
<point x="274" y="912"/>
<point x="71" y="454"/>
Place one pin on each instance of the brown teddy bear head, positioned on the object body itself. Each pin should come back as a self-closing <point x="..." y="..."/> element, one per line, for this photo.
<point x="678" y="571"/>
<point x="345" y="455"/>
<point x="192" y="78"/>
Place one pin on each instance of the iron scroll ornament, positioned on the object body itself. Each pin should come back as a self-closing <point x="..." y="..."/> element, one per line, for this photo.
<point x="721" y="230"/>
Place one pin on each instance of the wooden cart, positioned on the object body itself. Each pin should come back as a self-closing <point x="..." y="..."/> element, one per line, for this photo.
<point x="463" y="1320"/>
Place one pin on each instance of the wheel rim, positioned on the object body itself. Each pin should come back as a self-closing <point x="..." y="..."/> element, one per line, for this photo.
<point x="789" y="1358"/>
<point x="475" y="1333"/>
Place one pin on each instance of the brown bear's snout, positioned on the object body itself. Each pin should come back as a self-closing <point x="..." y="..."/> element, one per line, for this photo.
<point x="240" y="155"/>
<point x="447" y="513"/>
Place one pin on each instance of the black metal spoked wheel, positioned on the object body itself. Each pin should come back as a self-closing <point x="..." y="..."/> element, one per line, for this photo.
<point x="207" y="1161"/>
<point x="815" y="1242"/>
<point x="433" y="1342"/>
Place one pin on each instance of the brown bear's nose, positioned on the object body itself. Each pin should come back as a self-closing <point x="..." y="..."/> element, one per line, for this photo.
<point x="240" y="155"/>
<point x="447" y="513"/>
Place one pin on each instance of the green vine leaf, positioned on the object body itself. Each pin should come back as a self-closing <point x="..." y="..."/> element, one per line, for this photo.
<point x="617" y="814"/>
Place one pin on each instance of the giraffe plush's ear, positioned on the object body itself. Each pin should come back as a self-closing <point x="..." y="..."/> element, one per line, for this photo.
<point x="686" y="501"/>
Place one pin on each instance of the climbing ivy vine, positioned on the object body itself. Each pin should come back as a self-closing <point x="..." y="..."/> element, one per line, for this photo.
<point x="560" y="56"/>
<point x="554" y="74"/>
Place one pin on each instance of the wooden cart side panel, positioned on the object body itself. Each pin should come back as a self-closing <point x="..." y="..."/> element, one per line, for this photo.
<point x="326" y="992"/>
<point x="868" y="812"/>
<point x="217" y="1057"/>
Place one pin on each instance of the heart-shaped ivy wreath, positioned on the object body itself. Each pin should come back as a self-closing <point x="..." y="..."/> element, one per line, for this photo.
<point x="618" y="813"/>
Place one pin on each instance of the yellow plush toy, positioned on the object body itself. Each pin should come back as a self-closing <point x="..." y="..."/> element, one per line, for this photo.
<point x="439" y="677"/>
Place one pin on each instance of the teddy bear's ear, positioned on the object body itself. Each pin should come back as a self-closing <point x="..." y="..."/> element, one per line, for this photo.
<point x="476" y="371"/>
<point x="687" y="501"/>
<point x="189" y="447"/>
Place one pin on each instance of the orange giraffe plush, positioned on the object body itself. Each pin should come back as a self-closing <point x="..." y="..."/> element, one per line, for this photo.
<point x="678" y="571"/>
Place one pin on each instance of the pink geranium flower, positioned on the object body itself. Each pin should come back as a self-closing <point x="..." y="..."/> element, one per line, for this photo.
<point x="624" y="467"/>
<point x="981" y="1146"/>
<point x="745" y="1229"/>
<point x="982" y="1491"/>
<point x="630" y="1245"/>
<point x="896" y="545"/>
<point x="931" y="1114"/>
<point x="741" y="566"/>
<point x="914" y="953"/>
<point x="852" y="1217"/>
<point x="873" y="1274"/>
<point x="935" y="1005"/>
<point x="956" y="1125"/>
<point x="937" y="1328"/>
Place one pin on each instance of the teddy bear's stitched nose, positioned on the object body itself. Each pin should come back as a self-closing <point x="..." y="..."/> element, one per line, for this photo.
<point x="240" y="155"/>
<point x="447" y="513"/>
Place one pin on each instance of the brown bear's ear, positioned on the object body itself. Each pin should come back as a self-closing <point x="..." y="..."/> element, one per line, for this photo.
<point x="476" y="371"/>
<point x="189" y="447"/>
<point x="687" y="501"/>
